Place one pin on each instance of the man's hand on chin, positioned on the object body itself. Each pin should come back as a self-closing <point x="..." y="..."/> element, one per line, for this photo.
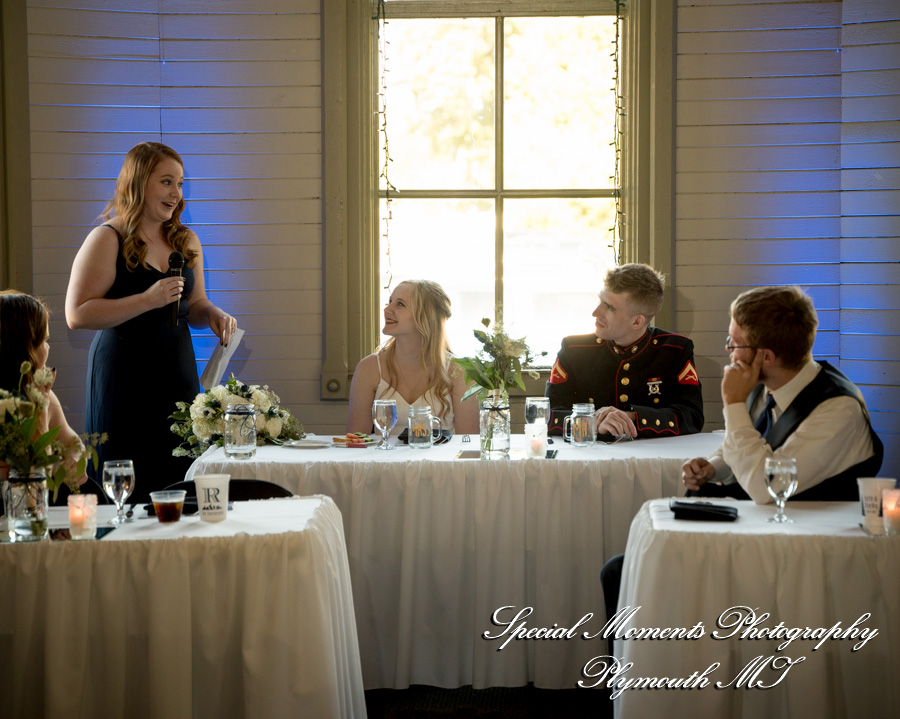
<point x="740" y="379"/>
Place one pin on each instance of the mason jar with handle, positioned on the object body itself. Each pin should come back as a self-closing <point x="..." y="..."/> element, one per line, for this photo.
<point x="422" y="425"/>
<point x="580" y="427"/>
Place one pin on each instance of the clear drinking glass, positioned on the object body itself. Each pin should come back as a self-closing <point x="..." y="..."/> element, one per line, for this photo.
<point x="422" y="425"/>
<point x="384" y="417"/>
<point x="537" y="409"/>
<point x="580" y="427"/>
<point x="781" y="481"/>
<point x="118" y="483"/>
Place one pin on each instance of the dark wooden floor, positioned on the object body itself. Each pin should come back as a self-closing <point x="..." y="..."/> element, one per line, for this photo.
<point x="419" y="702"/>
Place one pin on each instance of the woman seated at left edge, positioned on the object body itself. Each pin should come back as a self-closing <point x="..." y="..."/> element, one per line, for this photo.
<point x="25" y="337"/>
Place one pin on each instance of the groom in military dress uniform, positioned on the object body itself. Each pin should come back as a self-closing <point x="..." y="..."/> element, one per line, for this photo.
<point x="641" y="379"/>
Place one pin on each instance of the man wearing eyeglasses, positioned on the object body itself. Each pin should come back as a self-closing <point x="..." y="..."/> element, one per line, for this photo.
<point x="779" y="402"/>
<point x="642" y="380"/>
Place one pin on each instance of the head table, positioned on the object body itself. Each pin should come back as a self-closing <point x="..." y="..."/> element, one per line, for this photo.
<point x="822" y="578"/>
<point x="437" y="545"/>
<point x="249" y="617"/>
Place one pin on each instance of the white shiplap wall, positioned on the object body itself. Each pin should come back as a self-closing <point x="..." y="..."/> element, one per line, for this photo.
<point x="762" y="181"/>
<point x="870" y="212"/>
<point x="757" y="165"/>
<point x="235" y="87"/>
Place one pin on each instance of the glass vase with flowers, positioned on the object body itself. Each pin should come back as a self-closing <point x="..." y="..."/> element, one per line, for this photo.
<point x="493" y="372"/>
<point x="37" y="461"/>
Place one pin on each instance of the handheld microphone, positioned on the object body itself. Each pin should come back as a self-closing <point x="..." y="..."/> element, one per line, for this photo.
<point x="176" y="263"/>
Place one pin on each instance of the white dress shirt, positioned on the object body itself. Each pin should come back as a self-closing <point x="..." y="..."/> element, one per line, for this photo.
<point x="834" y="437"/>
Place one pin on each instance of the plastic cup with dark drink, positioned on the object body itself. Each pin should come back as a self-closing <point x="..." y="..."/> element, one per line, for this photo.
<point x="168" y="504"/>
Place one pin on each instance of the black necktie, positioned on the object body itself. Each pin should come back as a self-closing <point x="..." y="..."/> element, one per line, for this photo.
<point x="764" y="421"/>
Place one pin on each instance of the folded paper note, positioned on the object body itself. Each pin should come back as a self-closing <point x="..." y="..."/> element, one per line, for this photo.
<point x="215" y="368"/>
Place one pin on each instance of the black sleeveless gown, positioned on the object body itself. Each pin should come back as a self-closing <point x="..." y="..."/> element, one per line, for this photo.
<point x="136" y="372"/>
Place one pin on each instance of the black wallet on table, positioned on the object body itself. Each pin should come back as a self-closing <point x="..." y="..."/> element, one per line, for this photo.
<point x="704" y="511"/>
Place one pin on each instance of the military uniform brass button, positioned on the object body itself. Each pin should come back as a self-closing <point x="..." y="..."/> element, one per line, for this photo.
<point x="623" y="398"/>
<point x="643" y="421"/>
<point x="625" y="381"/>
<point x="656" y="400"/>
<point x="657" y="423"/>
<point x="655" y="341"/>
<point x="626" y="366"/>
<point x="671" y="424"/>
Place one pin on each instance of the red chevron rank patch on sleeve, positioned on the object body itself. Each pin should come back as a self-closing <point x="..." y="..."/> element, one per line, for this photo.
<point x="688" y="374"/>
<point x="558" y="375"/>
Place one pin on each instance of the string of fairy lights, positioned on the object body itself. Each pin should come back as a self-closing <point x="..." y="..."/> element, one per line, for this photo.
<point x="383" y="131"/>
<point x="618" y="228"/>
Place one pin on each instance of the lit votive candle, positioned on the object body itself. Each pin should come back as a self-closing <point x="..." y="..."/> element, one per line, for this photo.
<point x="82" y="516"/>
<point x="890" y="509"/>
<point x="536" y="440"/>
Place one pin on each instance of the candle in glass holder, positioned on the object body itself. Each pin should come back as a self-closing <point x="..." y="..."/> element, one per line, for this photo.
<point x="536" y="440"/>
<point x="82" y="516"/>
<point x="890" y="508"/>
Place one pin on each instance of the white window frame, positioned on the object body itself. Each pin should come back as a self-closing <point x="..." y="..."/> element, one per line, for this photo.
<point x="351" y="233"/>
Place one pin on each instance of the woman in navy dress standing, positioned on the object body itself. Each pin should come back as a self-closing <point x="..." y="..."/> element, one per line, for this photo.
<point x="141" y="362"/>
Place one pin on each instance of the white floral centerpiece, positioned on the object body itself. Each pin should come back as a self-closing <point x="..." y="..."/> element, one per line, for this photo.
<point x="201" y="424"/>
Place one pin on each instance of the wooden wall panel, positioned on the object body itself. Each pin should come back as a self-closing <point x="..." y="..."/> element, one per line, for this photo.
<point x="787" y="172"/>
<point x="757" y="164"/>
<point x="870" y="246"/>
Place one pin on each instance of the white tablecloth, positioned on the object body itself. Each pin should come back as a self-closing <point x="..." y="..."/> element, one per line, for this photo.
<point x="818" y="572"/>
<point x="250" y="617"/>
<point x="437" y="544"/>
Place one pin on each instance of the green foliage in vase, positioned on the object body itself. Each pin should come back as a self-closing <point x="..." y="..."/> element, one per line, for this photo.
<point x="499" y="365"/>
<point x="25" y="448"/>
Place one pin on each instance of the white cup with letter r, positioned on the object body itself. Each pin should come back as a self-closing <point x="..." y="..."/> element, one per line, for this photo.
<point x="870" y="489"/>
<point x="212" y="496"/>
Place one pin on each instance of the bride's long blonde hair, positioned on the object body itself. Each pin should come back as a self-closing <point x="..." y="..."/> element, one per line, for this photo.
<point x="430" y="308"/>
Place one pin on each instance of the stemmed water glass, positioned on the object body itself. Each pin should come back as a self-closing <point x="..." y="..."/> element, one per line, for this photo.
<point x="384" y="416"/>
<point x="118" y="483"/>
<point x="781" y="481"/>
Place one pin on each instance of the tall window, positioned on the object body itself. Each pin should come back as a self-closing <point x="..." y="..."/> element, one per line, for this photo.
<point x="497" y="162"/>
<point x="499" y="131"/>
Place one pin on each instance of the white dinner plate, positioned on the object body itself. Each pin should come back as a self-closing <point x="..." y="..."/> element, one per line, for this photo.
<point x="307" y="444"/>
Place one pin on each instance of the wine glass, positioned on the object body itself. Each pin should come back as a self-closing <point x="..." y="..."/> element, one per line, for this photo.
<point x="118" y="483"/>
<point x="384" y="416"/>
<point x="781" y="481"/>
